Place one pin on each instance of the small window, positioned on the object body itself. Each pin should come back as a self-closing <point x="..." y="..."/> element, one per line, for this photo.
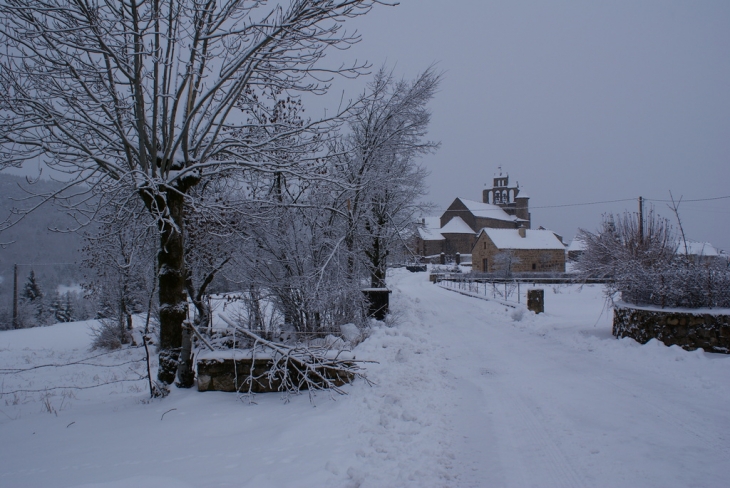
<point x="485" y="244"/>
<point x="534" y="266"/>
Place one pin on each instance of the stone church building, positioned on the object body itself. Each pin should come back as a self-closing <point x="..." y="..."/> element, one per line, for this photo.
<point x="502" y="207"/>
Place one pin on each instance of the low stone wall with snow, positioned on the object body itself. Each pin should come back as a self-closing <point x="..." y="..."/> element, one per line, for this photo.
<point x="228" y="374"/>
<point x="690" y="329"/>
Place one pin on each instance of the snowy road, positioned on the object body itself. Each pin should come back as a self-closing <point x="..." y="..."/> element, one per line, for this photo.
<point x="466" y="395"/>
<point x="554" y="400"/>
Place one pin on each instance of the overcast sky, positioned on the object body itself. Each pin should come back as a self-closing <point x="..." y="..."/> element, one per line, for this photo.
<point x="578" y="101"/>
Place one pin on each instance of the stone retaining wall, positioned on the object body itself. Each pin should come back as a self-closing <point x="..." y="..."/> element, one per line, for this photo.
<point x="227" y="375"/>
<point x="690" y="330"/>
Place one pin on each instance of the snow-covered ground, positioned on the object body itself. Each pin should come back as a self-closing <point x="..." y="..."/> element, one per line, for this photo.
<point x="466" y="395"/>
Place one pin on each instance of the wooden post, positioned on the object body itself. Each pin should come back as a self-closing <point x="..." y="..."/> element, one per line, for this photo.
<point x="15" y="297"/>
<point x="536" y="300"/>
<point x="641" y="220"/>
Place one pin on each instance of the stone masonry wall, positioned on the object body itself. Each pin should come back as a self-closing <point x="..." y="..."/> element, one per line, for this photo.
<point x="546" y="260"/>
<point x="230" y="375"/>
<point x="429" y="248"/>
<point x="461" y="243"/>
<point x="690" y="330"/>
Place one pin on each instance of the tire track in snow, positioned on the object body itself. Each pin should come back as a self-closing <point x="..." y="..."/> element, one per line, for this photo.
<point x="533" y="449"/>
<point x="529" y="453"/>
<point x="674" y="420"/>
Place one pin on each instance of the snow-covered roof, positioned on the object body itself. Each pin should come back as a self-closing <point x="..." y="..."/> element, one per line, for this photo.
<point x="429" y="231"/>
<point x="695" y="248"/>
<point x="430" y="234"/>
<point x="432" y="222"/>
<point x="577" y="244"/>
<point x="456" y="226"/>
<point x="479" y="209"/>
<point x="534" y="239"/>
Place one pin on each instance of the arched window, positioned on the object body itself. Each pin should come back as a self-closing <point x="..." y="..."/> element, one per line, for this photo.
<point x="504" y="197"/>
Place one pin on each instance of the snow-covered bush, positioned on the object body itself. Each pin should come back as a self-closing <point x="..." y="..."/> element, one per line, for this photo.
<point x="110" y="334"/>
<point x="644" y="267"/>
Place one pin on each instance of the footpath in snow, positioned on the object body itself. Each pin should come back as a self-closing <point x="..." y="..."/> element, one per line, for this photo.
<point x="468" y="393"/>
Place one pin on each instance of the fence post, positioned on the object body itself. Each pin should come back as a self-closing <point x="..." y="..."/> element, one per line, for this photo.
<point x="15" y="296"/>
<point x="536" y="300"/>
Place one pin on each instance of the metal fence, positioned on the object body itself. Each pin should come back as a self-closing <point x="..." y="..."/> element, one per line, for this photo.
<point x="506" y="290"/>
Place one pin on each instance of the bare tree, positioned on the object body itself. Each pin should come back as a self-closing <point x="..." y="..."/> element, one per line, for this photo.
<point x="143" y="100"/>
<point x="297" y="257"/>
<point x="380" y="169"/>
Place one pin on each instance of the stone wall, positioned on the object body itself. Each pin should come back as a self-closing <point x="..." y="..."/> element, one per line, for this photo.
<point x="429" y="248"/>
<point x="524" y="260"/>
<point x="690" y="330"/>
<point x="461" y="243"/>
<point x="226" y="375"/>
<point x="481" y="222"/>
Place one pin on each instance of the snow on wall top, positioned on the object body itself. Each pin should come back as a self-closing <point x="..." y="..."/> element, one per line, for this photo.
<point x="457" y="226"/>
<point x="534" y="239"/>
<point x="479" y="209"/>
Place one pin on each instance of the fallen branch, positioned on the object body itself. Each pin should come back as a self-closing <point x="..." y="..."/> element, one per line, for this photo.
<point x="199" y="336"/>
<point x="163" y="415"/>
<point x="299" y="367"/>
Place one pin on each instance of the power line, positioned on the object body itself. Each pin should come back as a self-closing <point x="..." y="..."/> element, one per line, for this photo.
<point x="630" y="200"/>
<point x="687" y="201"/>
<point x="588" y="203"/>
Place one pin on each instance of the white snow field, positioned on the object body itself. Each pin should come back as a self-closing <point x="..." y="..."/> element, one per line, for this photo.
<point x="465" y="396"/>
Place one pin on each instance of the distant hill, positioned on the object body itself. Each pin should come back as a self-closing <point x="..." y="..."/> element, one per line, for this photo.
<point x="33" y="242"/>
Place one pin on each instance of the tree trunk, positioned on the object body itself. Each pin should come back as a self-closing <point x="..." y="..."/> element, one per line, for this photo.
<point x="171" y="279"/>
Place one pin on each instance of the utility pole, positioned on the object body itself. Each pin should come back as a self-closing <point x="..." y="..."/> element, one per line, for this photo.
<point x="15" y="296"/>
<point x="641" y="220"/>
